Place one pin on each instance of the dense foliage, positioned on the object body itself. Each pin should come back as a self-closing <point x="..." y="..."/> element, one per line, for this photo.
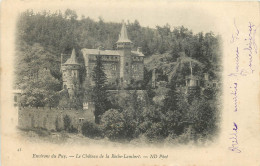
<point x="91" y="130"/>
<point x="164" y="113"/>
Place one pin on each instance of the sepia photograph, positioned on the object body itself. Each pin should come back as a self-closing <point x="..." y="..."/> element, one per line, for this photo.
<point x="117" y="81"/>
<point x="130" y="83"/>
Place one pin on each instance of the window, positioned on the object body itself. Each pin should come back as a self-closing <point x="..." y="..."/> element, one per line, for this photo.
<point x="126" y="64"/>
<point x="81" y="120"/>
<point x="113" y="67"/>
<point x="15" y="98"/>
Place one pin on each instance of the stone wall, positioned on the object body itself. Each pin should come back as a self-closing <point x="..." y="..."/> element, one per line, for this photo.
<point x="52" y="119"/>
<point x="112" y="70"/>
<point x="138" y="71"/>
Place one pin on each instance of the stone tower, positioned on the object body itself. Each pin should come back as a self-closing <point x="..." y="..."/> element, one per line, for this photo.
<point x="70" y="74"/>
<point x="124" y="46"/>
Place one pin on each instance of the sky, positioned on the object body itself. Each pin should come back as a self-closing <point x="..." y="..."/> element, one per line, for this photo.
<point x="194" y="16"/>
<point x="152" y="15"/>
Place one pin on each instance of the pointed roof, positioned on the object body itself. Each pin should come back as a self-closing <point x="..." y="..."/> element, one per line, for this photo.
<point x="72" y="60"/>
<point x="123" y="37"/>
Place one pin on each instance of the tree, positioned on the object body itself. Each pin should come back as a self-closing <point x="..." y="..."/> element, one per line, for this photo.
<point x="41" y="90"/>
<point x="174" y="113"/>
<point x="113" y="123"/>
<point x="171" y="99"/>
<point x="136" y="105"/>
<point x="66" y="102"/>
<point x="99" y="95"/>
<point x="203" y="115"/>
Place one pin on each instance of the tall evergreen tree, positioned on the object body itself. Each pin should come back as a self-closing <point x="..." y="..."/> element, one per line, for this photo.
<point x="100" y="95"/>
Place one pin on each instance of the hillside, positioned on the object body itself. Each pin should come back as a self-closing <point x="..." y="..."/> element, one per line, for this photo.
<point x="44" y="36"/>
<point x="176" y="110"/>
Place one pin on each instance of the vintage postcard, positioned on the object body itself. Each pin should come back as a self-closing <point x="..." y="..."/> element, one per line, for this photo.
<point x="147" y="83"/>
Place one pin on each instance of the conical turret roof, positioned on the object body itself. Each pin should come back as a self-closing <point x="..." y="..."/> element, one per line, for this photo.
<point x="73" y="59"/>
<point x="123" y="37"/>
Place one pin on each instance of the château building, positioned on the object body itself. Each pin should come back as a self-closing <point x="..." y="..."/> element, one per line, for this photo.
<point x="70" y="74"/>
<point x="122" y="66"/>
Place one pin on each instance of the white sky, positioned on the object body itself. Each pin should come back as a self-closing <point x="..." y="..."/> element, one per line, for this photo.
<point x="152" y="15"/>
<point x="194" y="16"/>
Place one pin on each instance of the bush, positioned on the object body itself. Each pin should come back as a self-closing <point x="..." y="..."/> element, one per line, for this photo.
<point x="91" y="130"/>
<point x="156" y="132"/>
<point x="72" y="129"/>
<point x="66" y="121"/>
<point x="113" y="124"/>
<point x="41" y="132"/>
<point x="130" y="124"/>
<point x="186" y="137"/>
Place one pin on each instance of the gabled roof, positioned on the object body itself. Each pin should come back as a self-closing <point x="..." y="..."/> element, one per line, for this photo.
<point x="123" y="37"/>
<point x="99" y="52"/>
<point x="72" y="60"/>
<point x="107" y="52"/>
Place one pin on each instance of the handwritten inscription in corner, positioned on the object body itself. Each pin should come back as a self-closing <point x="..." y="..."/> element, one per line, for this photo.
<point x="234" y="93"/>
<point x="245" y="48"/>
<point x="234" y="145"/>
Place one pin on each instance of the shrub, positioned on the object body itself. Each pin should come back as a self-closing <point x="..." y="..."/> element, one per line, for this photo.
<point x="186" y="137"/>
<point x="57" y="127"/>
<point x="66" y="121"/>
<point x="90" y="130"/>
<point x="130" y="123"/>
<point x="42" y="132"/>
<point x="72" y="129"/>
<point x="156" y="132"/>
<point x="113" y="124"/>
